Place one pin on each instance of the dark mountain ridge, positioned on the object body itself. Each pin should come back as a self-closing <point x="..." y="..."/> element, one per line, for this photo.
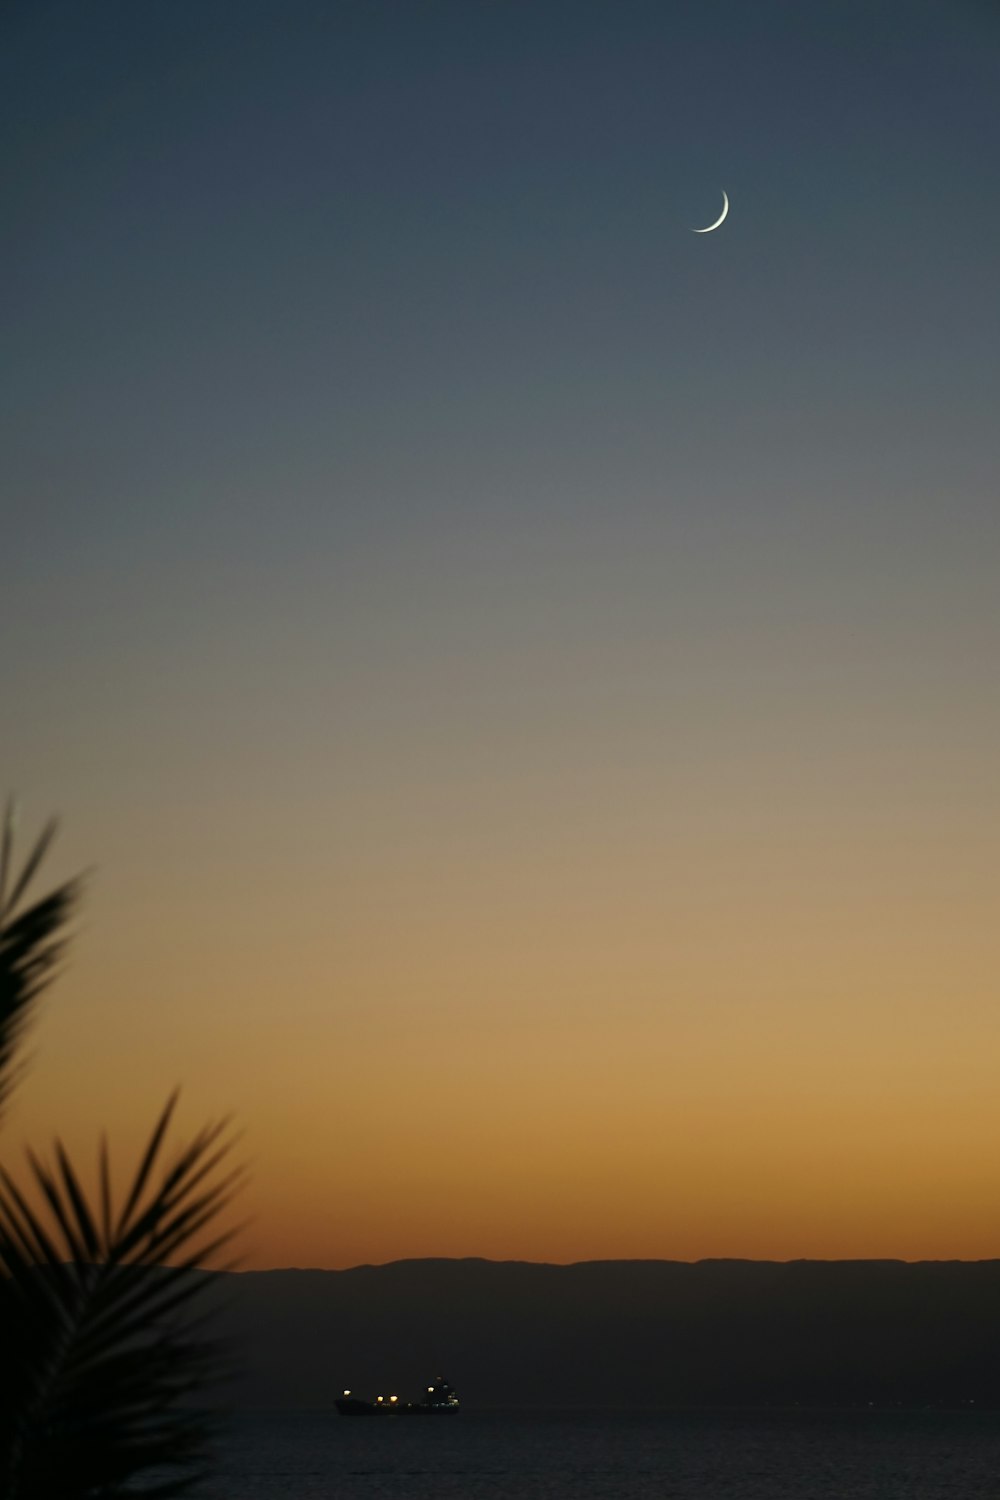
<point x="638" y="1334"/>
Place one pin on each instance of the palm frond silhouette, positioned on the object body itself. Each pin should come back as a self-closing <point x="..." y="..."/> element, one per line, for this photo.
<point x="101" y="1338"/>
<point x="31" y="942"/>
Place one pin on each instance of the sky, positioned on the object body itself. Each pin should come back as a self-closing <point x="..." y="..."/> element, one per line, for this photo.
<point x="521" y="674"/>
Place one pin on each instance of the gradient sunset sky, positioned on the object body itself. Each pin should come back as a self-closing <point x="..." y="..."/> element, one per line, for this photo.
<point x="524" y="674"/>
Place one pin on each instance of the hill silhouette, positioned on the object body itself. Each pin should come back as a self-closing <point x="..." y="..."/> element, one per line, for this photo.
<point x="621" y="1333"/>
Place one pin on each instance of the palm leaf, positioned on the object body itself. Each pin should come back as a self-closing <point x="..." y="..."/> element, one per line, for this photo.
<point x="101" y="1347"/>
<point x="31" y="943"/>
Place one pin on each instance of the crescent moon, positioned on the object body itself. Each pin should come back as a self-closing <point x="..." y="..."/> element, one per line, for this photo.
<point x="709" y="227"/>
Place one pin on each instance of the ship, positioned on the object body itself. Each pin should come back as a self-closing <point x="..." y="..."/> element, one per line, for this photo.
<point x="438" y="1399"/>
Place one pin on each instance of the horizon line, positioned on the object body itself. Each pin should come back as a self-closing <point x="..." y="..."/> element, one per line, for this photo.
<point x="708" y="1260"/>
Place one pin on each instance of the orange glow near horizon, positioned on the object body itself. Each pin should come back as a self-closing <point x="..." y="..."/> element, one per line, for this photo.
<point x="787" y="1053"/>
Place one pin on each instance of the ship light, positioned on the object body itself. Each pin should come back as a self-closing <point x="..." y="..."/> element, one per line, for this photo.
<point x="380" y="1398"/>
<point x="393" y="1398"/>
<point x="347" y="1393"/>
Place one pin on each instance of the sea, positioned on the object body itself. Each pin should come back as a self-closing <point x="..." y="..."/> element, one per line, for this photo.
<point x="865" y="1454"/>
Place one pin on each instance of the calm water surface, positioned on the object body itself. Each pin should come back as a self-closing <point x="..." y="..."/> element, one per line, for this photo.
<point x="610" y="1456"/>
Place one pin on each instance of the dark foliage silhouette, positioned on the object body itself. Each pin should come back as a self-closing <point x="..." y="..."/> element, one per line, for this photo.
<point x="30" y="943"/>
<point x="101" y="1343"/>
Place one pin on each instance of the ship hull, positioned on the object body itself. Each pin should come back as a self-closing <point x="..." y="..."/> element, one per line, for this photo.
<point x="352" y="1408"/>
